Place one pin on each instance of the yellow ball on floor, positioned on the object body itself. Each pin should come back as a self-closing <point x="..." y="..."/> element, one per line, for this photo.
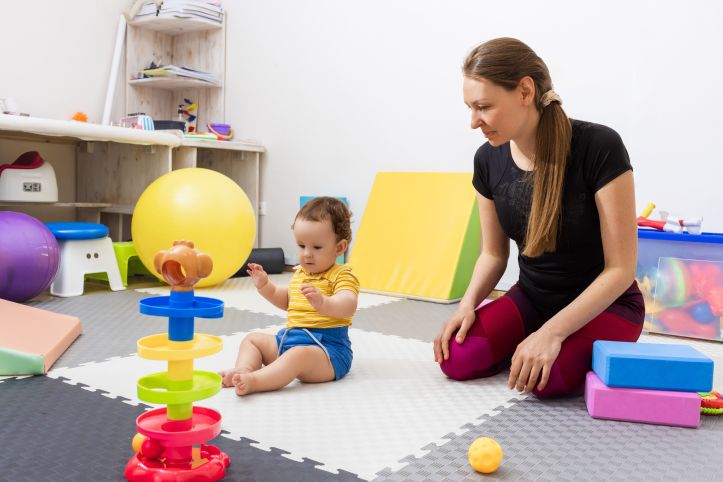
<point x="485" y="455"/>
<point x="198" y="205"/>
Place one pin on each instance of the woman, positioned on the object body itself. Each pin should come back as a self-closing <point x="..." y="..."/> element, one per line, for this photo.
<point x="563" y="191"/>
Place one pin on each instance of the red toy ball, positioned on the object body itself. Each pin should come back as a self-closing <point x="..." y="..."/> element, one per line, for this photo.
<point x="152" y="448"/>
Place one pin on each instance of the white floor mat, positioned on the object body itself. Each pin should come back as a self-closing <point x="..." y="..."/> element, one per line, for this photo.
<point x="394" y="402"/>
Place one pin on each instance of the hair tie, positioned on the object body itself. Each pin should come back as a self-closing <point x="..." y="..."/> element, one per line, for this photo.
<point x="549" y="97"/>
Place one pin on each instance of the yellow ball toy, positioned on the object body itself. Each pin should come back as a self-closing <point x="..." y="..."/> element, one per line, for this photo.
<point x="485" y="455"/>
<point x="137" y="442"/>
<point x="198" y="205"/>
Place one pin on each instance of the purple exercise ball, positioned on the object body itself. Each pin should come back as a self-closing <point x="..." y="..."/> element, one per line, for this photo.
<point x="29" y="256"/>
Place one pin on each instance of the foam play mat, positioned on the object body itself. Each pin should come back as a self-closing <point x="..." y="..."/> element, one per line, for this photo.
<point x="32" y="339"/>
<point x="394" y="417"/>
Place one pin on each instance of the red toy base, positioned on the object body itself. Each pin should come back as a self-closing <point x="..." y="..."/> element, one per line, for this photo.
<point x="209" y="465"/>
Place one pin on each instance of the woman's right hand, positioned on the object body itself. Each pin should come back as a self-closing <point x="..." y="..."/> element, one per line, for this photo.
<point x="461" y="320"/>
<point x="258" y="275"/>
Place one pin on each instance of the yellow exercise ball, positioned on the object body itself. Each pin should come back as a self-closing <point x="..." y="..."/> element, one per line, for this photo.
<point x="197" y="205"/>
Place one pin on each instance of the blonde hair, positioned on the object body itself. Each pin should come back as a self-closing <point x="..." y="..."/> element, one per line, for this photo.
<point x="505" y="61"/>
<point x="331" y="208"/>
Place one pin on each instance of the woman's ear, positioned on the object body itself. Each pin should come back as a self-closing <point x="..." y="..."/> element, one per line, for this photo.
<point x="527" y="90"/>
<point x="341" y="246"/>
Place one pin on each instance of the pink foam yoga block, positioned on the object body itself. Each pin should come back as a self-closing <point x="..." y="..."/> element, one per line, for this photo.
<point x="660" y="407"/>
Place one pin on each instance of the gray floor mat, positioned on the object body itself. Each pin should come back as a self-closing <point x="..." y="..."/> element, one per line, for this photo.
<point x="557" y="440"/>
<point x="112" y="324"/>
<point x="53" y="431"/>
<point x="418" y="320"/>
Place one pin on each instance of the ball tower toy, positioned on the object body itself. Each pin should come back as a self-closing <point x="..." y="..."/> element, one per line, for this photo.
<point x="167" y="437"/>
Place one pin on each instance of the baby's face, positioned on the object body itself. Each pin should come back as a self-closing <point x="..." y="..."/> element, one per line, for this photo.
<point x="316" y="245"/>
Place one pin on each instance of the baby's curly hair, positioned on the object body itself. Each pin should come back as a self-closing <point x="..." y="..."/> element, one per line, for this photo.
<point x="331" y="208"/>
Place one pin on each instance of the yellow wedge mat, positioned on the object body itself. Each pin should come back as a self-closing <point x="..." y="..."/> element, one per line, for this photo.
<point x="419" y="235"/>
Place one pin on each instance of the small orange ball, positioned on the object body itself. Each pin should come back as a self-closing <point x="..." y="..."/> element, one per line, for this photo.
<point x="485" y="455"/>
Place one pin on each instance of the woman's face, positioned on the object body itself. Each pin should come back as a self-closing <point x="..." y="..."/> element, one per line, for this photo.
<point x="499" y="113"/>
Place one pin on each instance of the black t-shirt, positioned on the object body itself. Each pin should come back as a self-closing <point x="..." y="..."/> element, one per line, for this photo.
<point x="553" y="280"/>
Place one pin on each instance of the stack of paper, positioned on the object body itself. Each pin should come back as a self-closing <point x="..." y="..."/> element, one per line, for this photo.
<point x="205" y="9"/>
<point x="174" y="71"/>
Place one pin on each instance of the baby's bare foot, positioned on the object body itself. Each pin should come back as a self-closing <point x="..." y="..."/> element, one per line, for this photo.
<point x="244" y="383"/>
<point x="227" y="375"/>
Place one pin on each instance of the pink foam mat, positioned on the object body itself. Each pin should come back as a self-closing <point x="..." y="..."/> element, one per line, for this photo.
<point x="38" y="332"/>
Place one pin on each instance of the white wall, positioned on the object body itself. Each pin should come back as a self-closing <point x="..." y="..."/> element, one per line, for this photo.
<point x="55" y="56"/>
<point x="339" y="90"/>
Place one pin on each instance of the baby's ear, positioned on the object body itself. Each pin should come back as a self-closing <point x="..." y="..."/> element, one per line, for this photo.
<point x="205" y="265"/>
<point x="341" y="246"/>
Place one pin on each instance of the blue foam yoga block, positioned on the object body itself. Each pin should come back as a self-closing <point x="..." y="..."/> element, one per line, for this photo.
<point x="652" y="366"/>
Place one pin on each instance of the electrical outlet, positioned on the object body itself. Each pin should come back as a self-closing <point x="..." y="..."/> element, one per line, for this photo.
<point x="262" y="208"/>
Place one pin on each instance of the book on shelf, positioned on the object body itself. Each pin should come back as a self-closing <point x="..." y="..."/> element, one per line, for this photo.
<point x="175" y="71"/>
<point x="204" y="9"/>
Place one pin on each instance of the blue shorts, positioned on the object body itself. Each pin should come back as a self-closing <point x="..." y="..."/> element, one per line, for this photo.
<point x="335" y="342"/>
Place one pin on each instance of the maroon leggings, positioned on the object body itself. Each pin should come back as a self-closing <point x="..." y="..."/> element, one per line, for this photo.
<point x="502" y="324"/>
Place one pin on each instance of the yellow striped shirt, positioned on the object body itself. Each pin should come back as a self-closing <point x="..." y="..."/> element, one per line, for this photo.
<point x="301" y="313"/>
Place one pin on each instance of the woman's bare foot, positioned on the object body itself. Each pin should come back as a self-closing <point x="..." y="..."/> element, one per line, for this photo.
<point x="227" y="375"/>
<point x="244" y="383"/>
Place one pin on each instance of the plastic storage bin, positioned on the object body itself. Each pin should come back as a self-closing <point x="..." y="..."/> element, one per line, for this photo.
<point x="681" y="277"/>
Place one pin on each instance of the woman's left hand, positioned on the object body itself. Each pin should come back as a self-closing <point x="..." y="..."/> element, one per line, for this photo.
<point x="532" y="361"/>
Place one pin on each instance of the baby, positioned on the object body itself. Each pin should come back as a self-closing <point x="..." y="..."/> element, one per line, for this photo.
<point x="320" y="301"/>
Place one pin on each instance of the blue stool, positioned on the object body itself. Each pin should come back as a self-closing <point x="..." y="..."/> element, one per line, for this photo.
<point x="85" y="248"/>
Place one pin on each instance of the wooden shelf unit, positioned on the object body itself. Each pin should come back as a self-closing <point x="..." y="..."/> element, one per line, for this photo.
<point x="194" y="43"/>
<point x="112" y="166"/>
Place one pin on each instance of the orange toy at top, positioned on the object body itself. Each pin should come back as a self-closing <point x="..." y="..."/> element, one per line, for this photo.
<point x="183" y="266"/>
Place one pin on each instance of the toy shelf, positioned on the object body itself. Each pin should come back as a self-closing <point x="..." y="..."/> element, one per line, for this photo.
<point x="173" y="83"/>
<point x="193" y="43"/>
<point x="103" y="170"/>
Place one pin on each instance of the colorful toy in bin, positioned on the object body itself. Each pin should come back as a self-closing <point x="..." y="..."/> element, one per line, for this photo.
<point x="690" y="297"/>
<point x="166" y="443"/>
<point x="670" y="223"/>
<point x="681" y="278"/>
